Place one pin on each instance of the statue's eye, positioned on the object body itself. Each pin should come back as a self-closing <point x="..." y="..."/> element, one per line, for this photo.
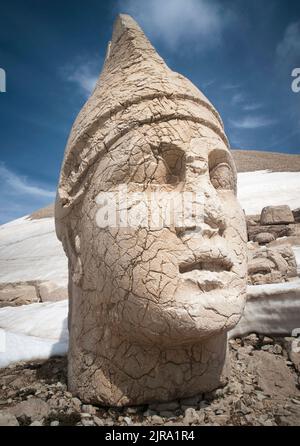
<point x="222" y="177"/>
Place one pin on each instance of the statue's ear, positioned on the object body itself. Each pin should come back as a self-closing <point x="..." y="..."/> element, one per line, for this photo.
<point x="71" y="246"/>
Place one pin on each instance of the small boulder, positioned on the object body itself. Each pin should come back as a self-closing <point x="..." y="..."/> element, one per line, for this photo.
<point x="264" y="237"/>
<point x="50" y="292"/>
<point x="34" y="408"/>
<point x="16" y="294"/>
<point x="190" y="417"/>
<point x="277" y="215"/>
<point x="292" y="346"/>
<point x="7" y="419"/>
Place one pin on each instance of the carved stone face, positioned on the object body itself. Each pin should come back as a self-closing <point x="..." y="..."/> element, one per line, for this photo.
<point x="150" y="303"/>
<point x="176" y="284"/>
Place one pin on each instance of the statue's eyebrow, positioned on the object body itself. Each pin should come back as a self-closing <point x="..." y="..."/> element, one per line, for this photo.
<point x="218" y="156"/>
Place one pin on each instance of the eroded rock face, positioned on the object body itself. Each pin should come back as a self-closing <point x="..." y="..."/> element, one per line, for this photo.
<point x="271" y="265"/>
<point x="151" y="300"/>
<point x="276" y="215"/>
<point x="15" y="294"/>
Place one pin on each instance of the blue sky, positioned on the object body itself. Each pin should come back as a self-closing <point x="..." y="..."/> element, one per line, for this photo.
<point x="240" y="53"/>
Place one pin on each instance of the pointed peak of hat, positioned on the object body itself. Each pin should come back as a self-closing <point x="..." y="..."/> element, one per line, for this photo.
<point x="129" y="42"/>
<point x="125" y="22"/>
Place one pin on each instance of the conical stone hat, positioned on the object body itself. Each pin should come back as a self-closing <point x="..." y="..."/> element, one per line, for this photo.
<point x="135" y="87"/>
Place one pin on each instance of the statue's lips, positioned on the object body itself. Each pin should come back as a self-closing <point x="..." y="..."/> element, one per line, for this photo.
<point x="207" y="263"/>
<point x="207" y="272"/>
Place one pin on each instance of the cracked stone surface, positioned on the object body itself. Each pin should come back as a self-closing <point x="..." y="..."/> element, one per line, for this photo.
<point x="149" y="307"/>
<point x="271" y="264"/>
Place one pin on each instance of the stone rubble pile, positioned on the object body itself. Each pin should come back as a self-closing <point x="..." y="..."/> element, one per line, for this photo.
<point x="271" y="260"/>
<point x="263" y="391"/>
<point x="273" y="222"/>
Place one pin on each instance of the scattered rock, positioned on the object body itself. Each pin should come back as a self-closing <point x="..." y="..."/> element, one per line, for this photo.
<point x="292" y="346"/>
<point x="98" y="421"/>
<point x="263" y="238"/>
<point x="89" y="409"/>
<point x="274" y="377"/>
<point x="191" y="417"/>
<point x="276" y="215"/>
<point x="157" y="420"/>
<point x="252" y="339"/>
<point x="128" y="421"/>
<point x="271" y="265"/>
<point x="50" y="292"/>
<point x="34" y="408"/>
<point x="15" y="294"/>
<point x="267" y="341"/>
<point x="36" y="423"/>
<point x="7" y="419"/>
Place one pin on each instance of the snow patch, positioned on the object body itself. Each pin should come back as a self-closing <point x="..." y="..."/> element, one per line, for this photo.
<point x="264" y="188"/>
<point x="270" y="310"/>
<point x="30" y="250"/>
<point x="37" y="331"/>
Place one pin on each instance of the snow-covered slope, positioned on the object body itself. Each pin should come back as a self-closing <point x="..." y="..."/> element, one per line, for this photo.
<point x="29" y="250"/>
<point x="270" y="309"/>
<point x="36" y="331"/>
<point x="263" y="188"/>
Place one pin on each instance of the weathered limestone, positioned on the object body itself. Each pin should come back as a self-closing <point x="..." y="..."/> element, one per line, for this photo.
<point x="150" y="306"/>
<point x="15" y="294"/>
<point x="271" y="265"/>
<point x="276" y="215"/>
<point x="292" y="346"/>
<point x="263" y="238"/>
<point x="51" y="292"/>
<point x="277" y="231"/>
<point x="33" y="291"/>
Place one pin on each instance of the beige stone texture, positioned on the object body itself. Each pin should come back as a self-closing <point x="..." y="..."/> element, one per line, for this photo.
<point x="276" y="215"/>
<point x="263" y="238"/>
<point x="51" y="292"/>
<point x="149" y="307"/>
<point x="15" y="294"/>
<point x="268" y="265"/>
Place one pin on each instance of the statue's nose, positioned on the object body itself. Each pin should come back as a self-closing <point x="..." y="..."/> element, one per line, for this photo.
<point x="214" y="216"/>
<point x="205" y="215"/>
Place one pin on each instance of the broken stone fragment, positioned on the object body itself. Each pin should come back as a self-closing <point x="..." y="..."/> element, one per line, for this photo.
<point x="276" y="215"/>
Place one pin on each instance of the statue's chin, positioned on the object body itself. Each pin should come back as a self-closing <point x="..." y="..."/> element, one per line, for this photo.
<point x="182" y="322"/>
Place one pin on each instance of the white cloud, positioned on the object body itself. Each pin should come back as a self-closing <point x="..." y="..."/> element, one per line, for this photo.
<point x="231" y="86"/>
<point x="252" y="107"/>
<point x="84" y="78"/>
<point x="208" y="84"/>
<point x="252" y="122"/>
<point x="83" y="72"/>
<point x="179" y="22"/>
<point x="19" y="185"/>
<point x="19" y="197"/>
<point x="238" y="98"/>
<point x="288" y="50"/>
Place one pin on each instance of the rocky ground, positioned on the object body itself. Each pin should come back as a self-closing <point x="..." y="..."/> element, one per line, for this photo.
<point x="263" y="391"/>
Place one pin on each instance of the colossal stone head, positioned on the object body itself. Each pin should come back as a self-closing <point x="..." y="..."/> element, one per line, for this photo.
<point x="153" y="291"/>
